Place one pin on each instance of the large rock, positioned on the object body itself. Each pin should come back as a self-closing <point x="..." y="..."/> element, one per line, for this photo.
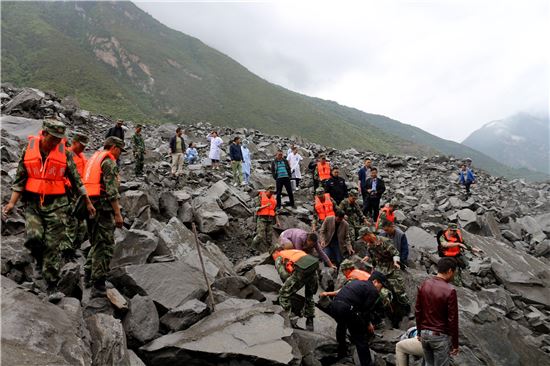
<point x="35" y="332"/>
<point x="239" y="336"/>
<point x="27" y="101"/>
<point x="468" y="220"/>
<point x="421" y="239"/>
<point x="185" y="315"/>
<point x="69" y="280"/>
<point x="20" y="127"/>
<point x="167" y="284"/>
<point x="238" y="286"/>
<point x="108" y="340"/>
<point x="134" y="247"/>
<point x="141" y="323"/>
<point x="209" y="215"/>
<point x="234" y="202"/>
<point x="265" y="277"/>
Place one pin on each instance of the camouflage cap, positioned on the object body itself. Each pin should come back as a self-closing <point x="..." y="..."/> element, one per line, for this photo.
<point x="346" y="264"/>
<point x="353" y="192"/>
<point x="80" y="137"/>
<point x="366" y="230"/>
<point x="452" y="226"/>
<point x="54" y="127"/>
<point x="394" y="203"/>
<point x="320" y="191"/>
<point x="114" y="141"/>
<point x="270" y="187"/>
<point x="139" y="125"/>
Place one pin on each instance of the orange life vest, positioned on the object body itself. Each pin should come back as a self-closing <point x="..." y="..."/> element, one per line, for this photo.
<point x="267" y="211"/>
<point x="324" y="209"/>
<point x="92" y="172"/>
<point x="390" y="216"/>
<point x="48" y="178"/>
<point x="323" y="170"/>
<point x="80" y="162"/>
<point x="357" y="274"/>
<point x="454" y="251"/>
<point x="289" y="256"/>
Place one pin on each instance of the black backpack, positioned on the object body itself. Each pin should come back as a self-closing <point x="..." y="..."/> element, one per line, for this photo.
<point x="438" y="238"/>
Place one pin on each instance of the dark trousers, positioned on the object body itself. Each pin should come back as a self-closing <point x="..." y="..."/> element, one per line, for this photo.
<point x="372" y="207"/>
<point x="349" y="320"/>
<point x="279" y="184"/>
<point x="467" y="186"/>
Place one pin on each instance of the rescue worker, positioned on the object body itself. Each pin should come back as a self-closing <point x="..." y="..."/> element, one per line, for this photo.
<point x="354" y="213"/>
<point x="302" y="240"/>
<point x="138" y="148"/>
<point x="76" y="228"/>
<point x="324" y="207"/>
<point x="452" y="245"/>
<point x="102" y="183"/>
<point x="297" y="269"/>
<point x="375" y="188"/>
<point x="387" y="213"/>
<point x="384" y="257"/>
<point x="334" y="238"/>
<point x="399" y="239"/>
<point x="322" y="172"/>
<point x="336" y="186"/>
<point x="352" y="308"/>
<point x="266" y="216"/>
<point x="44" y="166"/>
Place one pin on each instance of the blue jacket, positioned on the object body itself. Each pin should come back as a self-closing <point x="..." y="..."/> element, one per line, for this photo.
<point x="235" y="152"/>
<point x="469" y="177"/>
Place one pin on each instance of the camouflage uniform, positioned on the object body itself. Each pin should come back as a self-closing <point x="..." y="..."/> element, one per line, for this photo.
<point x="46" y="223"/>
<point x="294" y="282"/>
<point x="101" y="228"/>
<point x="355" y="217"/>
<point x="263" y="240"/>
<point x="138" y="147"/>
<point x="382" y="256"/>
<point x="316" y="221"/>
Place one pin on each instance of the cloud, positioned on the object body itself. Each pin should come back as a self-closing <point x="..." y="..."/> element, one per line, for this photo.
<point x="447" y="67"/>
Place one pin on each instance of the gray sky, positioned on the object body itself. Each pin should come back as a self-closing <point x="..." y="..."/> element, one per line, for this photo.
<point x="447" y="67"/>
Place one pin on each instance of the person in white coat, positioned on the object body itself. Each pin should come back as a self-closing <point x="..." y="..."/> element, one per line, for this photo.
<point x="215" y="149"/>
<point x="247" y="162"/>
<point x="294" y="158"/>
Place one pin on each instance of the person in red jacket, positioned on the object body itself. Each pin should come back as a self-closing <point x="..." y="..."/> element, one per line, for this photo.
<point x="437" y="315"/>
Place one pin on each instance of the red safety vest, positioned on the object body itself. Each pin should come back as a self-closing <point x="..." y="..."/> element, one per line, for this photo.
<point x="290" y="256"/>
<point x="92" y="173"/>
<point x="357" y="274"/>
<point x="46" y="178"/>
<point x="324" y="209"/>
<point x="454" y="251"/>
<point x="264" y="200"/>
<point x="323" y="170"/>
<point x="390" y="216"/>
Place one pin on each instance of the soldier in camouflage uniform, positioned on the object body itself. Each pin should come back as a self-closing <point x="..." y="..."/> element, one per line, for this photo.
<point x="354" y="217"/>
<point x="263" y="240"/>
<point x="138" y="147"/>
<point x="384" y="257"/>
<point x="46" y="214"/>
<point x="452" y="238"/>
<point x="303" y="273"/>
<point x="101" y="228"/>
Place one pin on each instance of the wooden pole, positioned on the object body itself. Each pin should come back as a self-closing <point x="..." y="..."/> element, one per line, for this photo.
<point x="202" y="266"/>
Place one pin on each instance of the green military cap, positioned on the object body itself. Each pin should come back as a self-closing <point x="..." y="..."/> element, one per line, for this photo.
<point x="353" y="192"/>
<point x="114" y="141"/>
<point x="346" y="264"/>
<point x="394" y="203"/>
<point x="119" y="121"/>
<point x="80" y="137"/>
<point x="319" y="191"/>
<point x="270" y="187"/>
<point x="54" y="127"/>
<point x="366" y="230"/>
<point x="452" y="226"/>
<point x="139" y="126"/>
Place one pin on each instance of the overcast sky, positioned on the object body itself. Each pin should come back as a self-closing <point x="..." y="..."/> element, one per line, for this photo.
<point x="447" y="67"/>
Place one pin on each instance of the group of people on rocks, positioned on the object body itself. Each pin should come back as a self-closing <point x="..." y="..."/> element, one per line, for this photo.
<point x="69" y="197"/>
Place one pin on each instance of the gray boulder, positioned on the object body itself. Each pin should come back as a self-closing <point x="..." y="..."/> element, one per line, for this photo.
<point x="238" y="286"/>
<point x="265" y="278"/>
<point x="234" y="202"/>
<point x="27" y="100"/>
<point x="185" y="315"/>
<point x="69" y="280"/>
<point x="133" y="247"/>
<point x="108" y="340"/>
<point x="35" y="332"/>
<point x="209" y="215"/>
<point x="141" y="323"/>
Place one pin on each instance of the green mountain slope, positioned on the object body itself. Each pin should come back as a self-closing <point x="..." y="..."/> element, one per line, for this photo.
<point x="118" y="60"/>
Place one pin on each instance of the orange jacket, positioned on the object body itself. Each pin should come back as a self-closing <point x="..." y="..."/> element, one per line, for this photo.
<point x="454" y="251"/>
<point x="357" y="274"/>
<point x="80" y="162"/>
<point x="290" y="256"/>
<point x="46" y="178"/>
<point x="390" y="216"/>
<point x="264" y="200"/>
<point x="92" y="172"/>
<point x="324" y="209"/>
<point x="323" y="170"/>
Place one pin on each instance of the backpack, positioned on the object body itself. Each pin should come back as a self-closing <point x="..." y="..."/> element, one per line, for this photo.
<point x="438" y="238"/>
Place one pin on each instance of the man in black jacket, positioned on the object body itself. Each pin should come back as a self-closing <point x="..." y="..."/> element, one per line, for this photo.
<point x="375" y="189"/>
<point x="352" y="309"/>
<point x="336" y="186"/>
<point x="280" y="170"/>
<point x="116" y="130"/>
<point x="236" y="156"/>
<point x="177" y="148"/>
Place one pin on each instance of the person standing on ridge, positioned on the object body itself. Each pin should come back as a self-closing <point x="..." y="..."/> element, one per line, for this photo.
<point x="324" y="207"/>
<point x="177" y="144"/>
<point x="336" y="186"/>
<point x="236" y="156"/>
<point x="322" y="171"/>
<point x="138" y="147"/>
<point x="280" y="170"/>
<point x="294" y="158"/>
<point x="364" y="174"/>
<point x="466" y="177"/>
<point x="452" y="244"/>
<point x="355" y="217"/>
<point x="375" y="189"/>
<point x="266" y="216"/>
<point x="215" y="153"/>
<point x="247" y="162"/>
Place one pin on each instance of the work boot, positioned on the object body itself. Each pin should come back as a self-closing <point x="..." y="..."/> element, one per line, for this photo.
<point x="54" y="296"/>
<point x="309" y="324"/>
<point x="99" y="289"/>
<point x="294" y="321"/>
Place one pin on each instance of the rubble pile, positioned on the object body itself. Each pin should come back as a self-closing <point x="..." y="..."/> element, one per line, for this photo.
<point x="157" y="311"/>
